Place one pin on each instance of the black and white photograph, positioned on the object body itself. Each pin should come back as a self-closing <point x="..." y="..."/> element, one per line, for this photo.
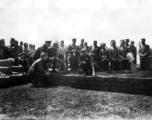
<point x="75" y="60"/>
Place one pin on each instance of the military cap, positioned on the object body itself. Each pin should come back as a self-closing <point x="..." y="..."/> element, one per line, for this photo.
<point x="23" y="53"/>
<point x="43" y="54"/>
<point x="132" y="41"/>
<point x="143" y="39"/>
<point x="122" y="41"/>
<point x="49" y="42"/>
<point x="113" y="41"/>
<point x="95" y="41"/>
<point x="82" y="39"/>
<point x="25" y="44"/>
<point x="13" y="39"/>
<point x="74" y="39"/>
<point x="101" y="44"/>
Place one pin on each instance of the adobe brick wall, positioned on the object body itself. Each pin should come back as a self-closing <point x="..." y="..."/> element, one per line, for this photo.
<point x="130" y="85"/>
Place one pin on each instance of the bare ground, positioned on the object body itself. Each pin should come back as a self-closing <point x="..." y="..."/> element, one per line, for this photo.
<point x="60" y="103"/>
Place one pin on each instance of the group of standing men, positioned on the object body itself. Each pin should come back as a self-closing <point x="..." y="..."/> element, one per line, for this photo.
<point x="113" y="58"/>
<point x="87" y="59"/>
<point x="80" y="58"/>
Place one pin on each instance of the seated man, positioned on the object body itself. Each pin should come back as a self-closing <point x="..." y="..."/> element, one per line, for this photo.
<point x="86" y="63"/>
<point x="23" y="60"/>
<point x="39" y="71"/>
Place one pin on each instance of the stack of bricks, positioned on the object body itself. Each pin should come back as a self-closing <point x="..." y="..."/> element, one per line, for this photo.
<point x="131" y="85"/>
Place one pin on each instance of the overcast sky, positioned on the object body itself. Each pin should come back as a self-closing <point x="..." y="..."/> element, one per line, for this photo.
<point x="35" y="21"/>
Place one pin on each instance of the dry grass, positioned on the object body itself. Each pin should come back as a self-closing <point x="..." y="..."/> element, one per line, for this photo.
<point x="61" y="103"/>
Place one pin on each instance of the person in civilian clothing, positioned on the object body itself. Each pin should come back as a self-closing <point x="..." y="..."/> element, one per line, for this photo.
<point x="144" y="52"/>
<point x="114" y="56"/>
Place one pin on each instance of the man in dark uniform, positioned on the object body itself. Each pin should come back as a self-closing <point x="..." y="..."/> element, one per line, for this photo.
<point x="3" y="42"/>
<point x="124" y="62"/>
<point x="38" y="72"/>
<point x="104" y="57"/>
<point x="86" y="46"/>
<point x="86" y="64"/>
<point x="73" y="55"/>
<point x="114" y="56"/>
<point x="52" y="53"/>
<point x="95" y="54"/>
<point x="4" y="53"/>
<point x="17" y="49"/>
<point x="11" y="48"/>
<point x="133" y="49"/>
<point x="81" y="45"/>
<point x="44" y="48"/>
<point x="21" y="46"/>
<point x="144" y="52"/>
<point x="127" y="42"/>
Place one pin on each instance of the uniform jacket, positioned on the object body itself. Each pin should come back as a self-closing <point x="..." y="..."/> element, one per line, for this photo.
<point x="144" y="50"/>
<point x="39" y="66"/>
<point x="113" y="53"/>
<point x="104" y="54"/>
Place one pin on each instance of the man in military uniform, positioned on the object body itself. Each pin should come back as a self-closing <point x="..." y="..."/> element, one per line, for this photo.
<point x="64" y="48"/>
<point x="95" y="54"/>
<point x="144" y="52"/>
<point x="86" y="64"/>
<point x="114" y="56"/>
<point x="81" y="45"/>
<point x="73" y="55"/>
<point x="133" y="50"/>
<point x="86" y="46"/>
<point x="17" y="49"/>
<point x="124" y="62"/>
<point x="4" y="53"/>
<point x="11" y="48"/>
<point x="44" y="48"/>
<point x="104" y="57"/>
<point x="52" y="53"/>
<point x="127" y="42"/>
<point x="38" y="72"/>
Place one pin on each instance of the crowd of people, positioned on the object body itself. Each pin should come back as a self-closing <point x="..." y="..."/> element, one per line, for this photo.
<point x="83" y="59"/>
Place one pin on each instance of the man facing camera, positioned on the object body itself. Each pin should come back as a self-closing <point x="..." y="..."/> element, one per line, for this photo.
<point x="144" y="52"/>
<point x="86" y="64"/>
